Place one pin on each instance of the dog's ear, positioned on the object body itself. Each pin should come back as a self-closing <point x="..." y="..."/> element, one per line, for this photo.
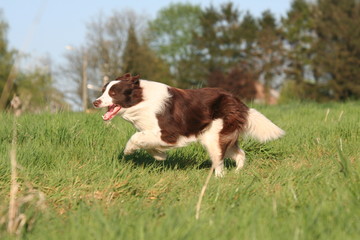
<point x="127" y="76"/>
<point x="135" y="80"/>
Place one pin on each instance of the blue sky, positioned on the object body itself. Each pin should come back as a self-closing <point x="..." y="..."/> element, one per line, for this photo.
<point x="45" y="27"/>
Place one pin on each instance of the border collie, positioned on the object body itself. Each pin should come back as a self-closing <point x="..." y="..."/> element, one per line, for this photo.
<point x="166" y="117"/>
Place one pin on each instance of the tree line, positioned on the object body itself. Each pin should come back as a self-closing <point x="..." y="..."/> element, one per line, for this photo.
<point x="313" y="52"/>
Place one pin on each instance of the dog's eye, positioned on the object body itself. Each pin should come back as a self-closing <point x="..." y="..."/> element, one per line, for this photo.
<point x="112" y="93"/>
<point x="127" y="91"/>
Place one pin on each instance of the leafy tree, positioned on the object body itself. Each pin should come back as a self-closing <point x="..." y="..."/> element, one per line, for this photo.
<point x="300" y="36"/>
<point x="131" y="52"/>
<point x="337" y="48"/>
<point x="170" y="35"/>
<point x="219" y="43"/>
<point x="7" y="58"/>
<point x="249" y="30"/>
<point x="269" y="49"/>
<point x="323" y="49"/>
<point x="229" y="44"/>
<point x="138" y="58"/>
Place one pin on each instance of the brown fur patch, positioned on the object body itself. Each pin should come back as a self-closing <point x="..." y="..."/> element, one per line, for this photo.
<point x="127" y="92"/>
<point x="189" y="112"/>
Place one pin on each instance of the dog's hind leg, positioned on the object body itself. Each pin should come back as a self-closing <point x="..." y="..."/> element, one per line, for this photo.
<point x="210" y="139"/>
<point x="237" y="154"/>
<point x="217" y="161"/>
<point x="214" y="151"/>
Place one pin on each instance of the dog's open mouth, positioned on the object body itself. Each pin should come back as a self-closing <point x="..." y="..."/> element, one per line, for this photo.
<point x="112" y="111"/>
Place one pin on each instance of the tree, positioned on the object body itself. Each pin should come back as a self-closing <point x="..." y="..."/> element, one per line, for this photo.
<point x="106" y="43"/>
<point x="131" y="52"/>
<point x="36" y="90"/>
<point x="337" y="48"/>
<point x="228" y="41"/>
<point x="7" y="58"/>
<point x="323" y="52"/>
<point x="249" y="30"/>
<point x="269" y="53"/>
<point x="170" y="35"/>
<point x="240" y="81"/>
<point x="300" y="36"/>
<point x="100" y="57"/>
<point x="70" y="75"/>
<point x="219" y="43"/>
<point x="138" y="58"/>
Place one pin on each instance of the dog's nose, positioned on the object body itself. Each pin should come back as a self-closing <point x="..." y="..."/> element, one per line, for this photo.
<point x="97" y="103"/>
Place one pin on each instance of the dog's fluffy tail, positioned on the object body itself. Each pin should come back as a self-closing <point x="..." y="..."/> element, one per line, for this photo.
<point x="261" y="128"/>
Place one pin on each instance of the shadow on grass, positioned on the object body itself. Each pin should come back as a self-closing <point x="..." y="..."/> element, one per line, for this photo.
<point x="176" y="159"/>
<point x="144" y="160"/>
<point x="195" y="157"/>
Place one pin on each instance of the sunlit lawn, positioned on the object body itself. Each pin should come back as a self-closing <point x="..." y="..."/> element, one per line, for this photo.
<point x="303" y="186"/>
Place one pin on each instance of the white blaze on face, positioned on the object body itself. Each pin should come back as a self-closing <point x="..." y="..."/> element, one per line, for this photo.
<point x="105" y="98"/>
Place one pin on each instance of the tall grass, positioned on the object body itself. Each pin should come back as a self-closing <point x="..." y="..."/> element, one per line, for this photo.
<point x="303" y="186"/>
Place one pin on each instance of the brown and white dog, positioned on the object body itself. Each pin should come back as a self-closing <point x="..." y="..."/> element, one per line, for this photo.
<point x="167" y="117"/>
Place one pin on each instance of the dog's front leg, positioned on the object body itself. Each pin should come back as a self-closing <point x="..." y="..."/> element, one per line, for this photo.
<point x="144" y="140"/>
<point x="130" y="147"/>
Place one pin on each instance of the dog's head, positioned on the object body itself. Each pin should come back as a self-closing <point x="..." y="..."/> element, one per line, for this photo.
<point x="124" y="92"/>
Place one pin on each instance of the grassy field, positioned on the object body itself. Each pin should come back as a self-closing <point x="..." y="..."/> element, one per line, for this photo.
<point x="76" y="184"/>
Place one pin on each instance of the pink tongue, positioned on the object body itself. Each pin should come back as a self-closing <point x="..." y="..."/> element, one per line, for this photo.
<point x="112" y="111"/>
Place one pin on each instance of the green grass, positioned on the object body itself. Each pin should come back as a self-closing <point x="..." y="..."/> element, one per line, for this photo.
<point x="303" y="186"/>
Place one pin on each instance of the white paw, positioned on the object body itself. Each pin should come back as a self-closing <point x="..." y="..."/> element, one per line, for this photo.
<point x="219" y="172"/>
<point x="239" y="167"/>
<point x="129" y="149"/>
<point x="160" y="156"/>
<point x="239" y="164"/>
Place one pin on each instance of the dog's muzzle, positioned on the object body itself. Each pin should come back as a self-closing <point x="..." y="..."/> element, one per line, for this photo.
<point x="97" y="103"/>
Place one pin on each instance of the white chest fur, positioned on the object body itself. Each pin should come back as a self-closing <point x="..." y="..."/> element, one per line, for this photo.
<point x="143" y="115"/>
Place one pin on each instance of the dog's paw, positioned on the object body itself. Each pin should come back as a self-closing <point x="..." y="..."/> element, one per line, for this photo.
<point x="130" y="148"/>
<point x="160" y="156"/>
<point x="128" y="152"/>
<point x="219" y="171"/>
